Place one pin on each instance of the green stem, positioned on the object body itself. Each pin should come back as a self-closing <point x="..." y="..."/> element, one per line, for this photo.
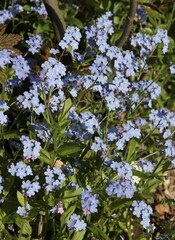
<point x="149" y="134"/>
<point x="151" y="154"/>
<point x="16" y="118"/>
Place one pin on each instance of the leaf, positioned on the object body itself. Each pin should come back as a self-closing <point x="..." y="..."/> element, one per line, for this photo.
<point x="119" y="203"/>
<point x="3" y="77"/>
<point x="2" y="29"/>
<point x="26" y="8"/>
<point x="152" y="184"/>
<point x="68" y="149"/>
<point x="8" y="184"/>
<point x="45" y="157"/>
<point x="141" y="175"/>
<point x="10" y="135"/>
<point x="106" y="5"/>
<point x="7" y="41"/>
<point x="98" y="232"/>
<point x="2" y="214"/>
<point x="74" y="22"/>
<point x="132" y="150"/>
<point x="122" y="225"/>
<point x="66" y="215"/>
<point x="64" y="114"/>
<point x="78" y="235"/>
<point x="21" y="198"/>
<point x="70" y="194"/>
<point x="25" y="230"/>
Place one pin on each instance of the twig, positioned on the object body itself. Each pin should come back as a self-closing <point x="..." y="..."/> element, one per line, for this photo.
<point x="40" y="227"/>
<point x="128" y="25"/>
<point x="56" y="18"/>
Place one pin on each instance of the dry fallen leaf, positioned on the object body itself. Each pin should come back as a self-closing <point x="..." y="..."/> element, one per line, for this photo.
<point x="8" y="41"/>
<point x="162" y="210"/>
<point x="59" y="164"/>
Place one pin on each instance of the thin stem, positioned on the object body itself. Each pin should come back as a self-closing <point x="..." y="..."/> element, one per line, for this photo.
<point x="149" y="134"/>
<point x="11" y="126"/>
<point x="40" y="227"/>
<point x="151" y="154"/>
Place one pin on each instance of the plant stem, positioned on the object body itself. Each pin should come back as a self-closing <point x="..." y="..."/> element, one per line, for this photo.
<point x="128" y="25"/>
<point x="56" y="18"/>
<point x="40" y="227"/>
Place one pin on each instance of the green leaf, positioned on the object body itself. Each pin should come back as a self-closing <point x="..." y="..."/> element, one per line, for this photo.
<point x="10" y="135"/>
<point x="133" y="145"/>
<point x="26" y="8"/>
<point x="8" y="184"/>
<point x="71" y="194"/>
<point x="122" y="225"/>
<point x="45" y="157"/>
<point x="25" y="230"/>
<point x="106" y="4"/>
<point x="2" y="214"/>
<point x="78" y="235"/>
<point x="21" y="198"/>
<point x="98" y="232"/>
<point x="66" y="215"/>
<point x="74" y="22"/>
<point x="119" y="203"/>
<point x="64" y="114"/>
<point x="141" y="175"/>
<point x="68" y="149"/>
<point x="152" y="184"/>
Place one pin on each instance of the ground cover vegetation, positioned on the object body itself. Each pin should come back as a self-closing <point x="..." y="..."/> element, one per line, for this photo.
<point x="87" y="119"/>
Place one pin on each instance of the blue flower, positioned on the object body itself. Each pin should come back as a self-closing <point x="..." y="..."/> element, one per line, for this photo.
<point x="75" y="224"/>
<point x="34" y="42"/>
<point x="142" y="210"/>
<point x="89" y="202"/>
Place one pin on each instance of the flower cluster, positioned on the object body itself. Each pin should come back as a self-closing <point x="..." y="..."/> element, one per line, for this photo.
<point x="162" y="119"/>
<point x="58" y="208"/>
<point x="39" y="8"/>
<point x="141" y="14"/>
<point x="1" y="187"/>
<point x="34" y="42"/>
<point x="143" y="210"/>
<point x="172" y="69"/>
<point x="20" y="170"/>
<point x="83" y="125"/>
<point x="5" y="57"/>
<point x="146" y="165"/>
<point x="30" y="100"/>
<point x="30" y="187"/>
<point x="124" y="186"/>
<point x="10" y="12"/>
<point x="42" y="130"/>
<point x="3" y="118"/>
<point x="53" y="178"/>
<point x="125" y="133"/>
<point x="151" y="92"/>
<point x="75" y="224"/>
<point x="89" y="202"/>
<point x="23" y="211"/>
<point x="97" y="34"/>
<point x="51" y="73"/>
<point x="31" y="148"/>
<point x="148" y="43"/>
<point x="98" y="145"/>
<point x="21" y="67"/>
<point x="71" y="38"/>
